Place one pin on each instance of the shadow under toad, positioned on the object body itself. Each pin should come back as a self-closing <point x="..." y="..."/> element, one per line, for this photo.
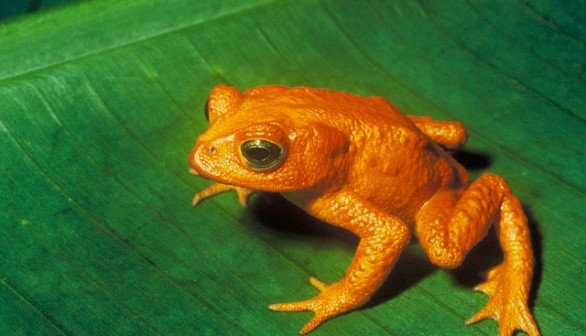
<point x="274" y="212"/>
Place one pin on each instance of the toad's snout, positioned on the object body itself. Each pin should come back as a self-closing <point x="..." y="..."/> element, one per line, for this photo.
<point x="201" y="157"/>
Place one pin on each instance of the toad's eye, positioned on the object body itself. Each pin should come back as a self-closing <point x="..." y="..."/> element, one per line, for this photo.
<point x="261" y="155"/>
<point x="206" y="111"/>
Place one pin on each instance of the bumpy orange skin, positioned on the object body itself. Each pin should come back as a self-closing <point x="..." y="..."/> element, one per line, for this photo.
<point x="360" y="164"/>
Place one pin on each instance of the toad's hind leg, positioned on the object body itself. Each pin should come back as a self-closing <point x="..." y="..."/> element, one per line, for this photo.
<point x="451" y="223"/>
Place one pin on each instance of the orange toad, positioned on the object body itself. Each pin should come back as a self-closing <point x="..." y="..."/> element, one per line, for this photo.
<point x="360" y="164"/>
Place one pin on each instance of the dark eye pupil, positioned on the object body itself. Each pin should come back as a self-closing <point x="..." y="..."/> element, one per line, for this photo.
<point x="261" y="155"/>
<point x="258" y="153"/>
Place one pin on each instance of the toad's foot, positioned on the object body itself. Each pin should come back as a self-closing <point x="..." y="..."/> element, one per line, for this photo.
<point x="219" y="188"/>
<point x="333" y="300"/>
<point x="506" y="304"/>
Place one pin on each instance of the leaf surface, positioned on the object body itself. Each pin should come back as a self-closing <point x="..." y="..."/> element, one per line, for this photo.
<point x="101" y="101"/>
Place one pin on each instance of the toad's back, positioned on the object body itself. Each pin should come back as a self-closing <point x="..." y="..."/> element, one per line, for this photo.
<point x="390" y="162"/>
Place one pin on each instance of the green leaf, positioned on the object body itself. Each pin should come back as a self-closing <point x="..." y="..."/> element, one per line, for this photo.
<point x="101" y="101"/>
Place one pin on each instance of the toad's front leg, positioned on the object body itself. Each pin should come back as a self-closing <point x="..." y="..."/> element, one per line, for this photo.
<point x="382" y="238"/>
<point x="219" y="188"/>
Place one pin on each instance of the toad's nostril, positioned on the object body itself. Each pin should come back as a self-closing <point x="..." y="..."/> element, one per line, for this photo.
<point x="212" y="150"/>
